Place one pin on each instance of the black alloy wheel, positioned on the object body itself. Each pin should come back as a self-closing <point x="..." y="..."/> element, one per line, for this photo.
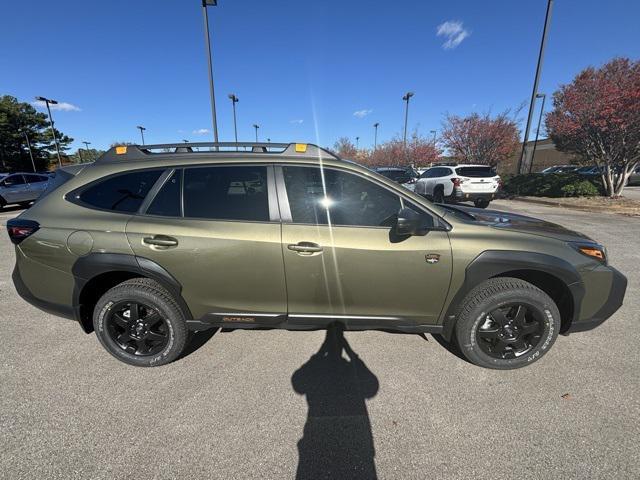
<point x="137" y="328"/>
<point x="511" y="330"/>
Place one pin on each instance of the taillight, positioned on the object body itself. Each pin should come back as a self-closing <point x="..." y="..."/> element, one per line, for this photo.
<point x="20" y="229"/>
<point x="456" y="182"/>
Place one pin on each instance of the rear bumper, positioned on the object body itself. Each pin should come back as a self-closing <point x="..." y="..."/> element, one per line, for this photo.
<point x="458" y="194"/>
<point x="64" y="311"/>
<point x="614" y="301"/>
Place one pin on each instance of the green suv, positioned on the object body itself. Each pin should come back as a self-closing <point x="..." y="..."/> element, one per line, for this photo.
<point x="150" y="243"/>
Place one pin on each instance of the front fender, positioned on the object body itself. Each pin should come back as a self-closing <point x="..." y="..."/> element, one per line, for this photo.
<point x="493" y="263"/>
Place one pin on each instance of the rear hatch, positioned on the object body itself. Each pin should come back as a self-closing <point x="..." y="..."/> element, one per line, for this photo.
<point x="480" y="179"/>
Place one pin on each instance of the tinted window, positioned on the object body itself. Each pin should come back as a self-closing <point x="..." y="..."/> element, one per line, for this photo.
<point x="476" y="172"/>
<point x="121" y="193"/>
<point x="226" y="193"/>
<point x="14" y="180"/>
<point x="343" y="198"/>
<point x="428" y="173"/>
<point x="167" y="201"/>
<point x="35" y="178"/>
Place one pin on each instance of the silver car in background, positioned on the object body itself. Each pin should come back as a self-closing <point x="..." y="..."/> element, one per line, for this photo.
<point x="21" y="188"/>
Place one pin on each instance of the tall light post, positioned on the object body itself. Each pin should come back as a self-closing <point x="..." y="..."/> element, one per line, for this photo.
<point x="48" y="102"/>
<point x="142" y="129"/>
<point x="256" y="126"/>
<point x="434" y="135"/>
<point x="406" y="98"/>
<point x="234" y="99"/>
<point x="207" y="37"/>
<point x="543" y="96"/>
<point x="86" y="147"/>
<point x="357" y="142"/>
<point x="536" y="79"/>
<point x="26" y="137"/>
<point x="375" y="135"/>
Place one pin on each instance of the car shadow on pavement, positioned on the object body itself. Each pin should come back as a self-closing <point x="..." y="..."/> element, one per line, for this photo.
<point x="197" y="340"/>
<point x="337" y="440"/>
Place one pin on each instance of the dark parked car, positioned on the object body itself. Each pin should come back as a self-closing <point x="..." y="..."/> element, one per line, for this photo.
<point x="405" y="176"/>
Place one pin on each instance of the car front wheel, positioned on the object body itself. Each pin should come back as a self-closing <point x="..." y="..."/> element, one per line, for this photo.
<point x="506" y="323"/>
<point x="139" y="323"/>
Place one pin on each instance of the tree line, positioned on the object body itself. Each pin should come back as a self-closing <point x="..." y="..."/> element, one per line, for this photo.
<point x="595" y="119"/>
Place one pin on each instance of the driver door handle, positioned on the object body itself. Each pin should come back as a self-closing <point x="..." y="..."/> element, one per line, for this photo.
<point x="305" y="248"/>
<point x="160" y="241"/>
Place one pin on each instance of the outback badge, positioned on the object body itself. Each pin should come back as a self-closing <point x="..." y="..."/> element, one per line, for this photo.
<point x="432" y="258"/>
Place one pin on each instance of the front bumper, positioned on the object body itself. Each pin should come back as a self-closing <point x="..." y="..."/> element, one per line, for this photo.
<point x="613" y="302"/>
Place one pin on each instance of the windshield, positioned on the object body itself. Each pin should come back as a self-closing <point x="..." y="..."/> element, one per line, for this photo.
<point x="476" y="172"/>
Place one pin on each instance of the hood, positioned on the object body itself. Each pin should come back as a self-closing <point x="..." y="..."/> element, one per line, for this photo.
<point x="520" y="223"/>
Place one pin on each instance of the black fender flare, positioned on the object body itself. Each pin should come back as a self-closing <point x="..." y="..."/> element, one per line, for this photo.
<point x="492" y="263"/>
<point x="90" y="266"/>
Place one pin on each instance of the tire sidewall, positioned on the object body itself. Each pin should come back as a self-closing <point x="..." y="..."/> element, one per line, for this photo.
<point x="466" y="330"/>
<point x="171" y="316"/>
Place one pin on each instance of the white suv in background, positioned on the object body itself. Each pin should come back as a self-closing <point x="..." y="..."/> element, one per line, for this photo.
<point x="475" y="183"/>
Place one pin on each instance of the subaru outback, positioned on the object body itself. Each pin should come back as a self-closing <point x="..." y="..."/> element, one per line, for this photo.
<point x="151" y="243"/>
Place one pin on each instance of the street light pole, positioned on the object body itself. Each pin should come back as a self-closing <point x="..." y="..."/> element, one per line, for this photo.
<point x="535" y="142"/>
<point x="214" y="121"/>
<point x="142" y="129"/>
<point x="357" y="142"/>
<point x="48" y="101"/>
<point x="434" y="135"/>
<point x="375" y="136"/>
<point x="535" y="83"/>
<point x="26" y="136"/>
<point x="256" y="126"/>
<point x="406" y="98"/>
<point x="234" y="99"/>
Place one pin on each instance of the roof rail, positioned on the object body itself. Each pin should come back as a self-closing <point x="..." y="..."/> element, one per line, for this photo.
<point x="198" y="149"/>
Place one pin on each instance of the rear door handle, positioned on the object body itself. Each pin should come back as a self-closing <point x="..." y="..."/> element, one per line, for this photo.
<point x="305" y="248"/>
<point x="160" y="241"/>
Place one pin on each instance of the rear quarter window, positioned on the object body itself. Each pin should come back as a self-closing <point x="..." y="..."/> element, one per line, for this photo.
<point x="119" y="193"/>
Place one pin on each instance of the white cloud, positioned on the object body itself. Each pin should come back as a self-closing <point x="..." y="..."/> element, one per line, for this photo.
<point x="201" y="131"/>
<point x="297" y="121"/>
<point x="454" y="32"/>
<point x="64" y="106"/>
<point x="362" y="113"/>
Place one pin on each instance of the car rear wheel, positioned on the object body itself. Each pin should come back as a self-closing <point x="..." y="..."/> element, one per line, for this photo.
<point x="481" y="203"/>
<point x="139" y="323"/>
<point x="438" y="195"/>
<point x="506" y="323"/>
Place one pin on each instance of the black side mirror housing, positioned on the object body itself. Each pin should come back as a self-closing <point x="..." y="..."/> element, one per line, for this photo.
<point x="410" y="222"/>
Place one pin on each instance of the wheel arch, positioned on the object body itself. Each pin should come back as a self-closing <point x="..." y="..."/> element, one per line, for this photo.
<point x="98" y="272"/>
<point x="554" y="276"/>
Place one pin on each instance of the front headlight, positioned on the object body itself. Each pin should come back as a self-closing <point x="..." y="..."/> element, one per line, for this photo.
<point x="592" y="250"/>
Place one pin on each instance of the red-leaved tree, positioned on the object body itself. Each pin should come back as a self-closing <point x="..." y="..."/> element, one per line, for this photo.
<point x="481" y="139"/>
<point x="420" y="151"/>
<point x="597" y="118"/>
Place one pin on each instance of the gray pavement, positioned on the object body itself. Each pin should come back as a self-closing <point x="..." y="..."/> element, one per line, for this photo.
<point x="262" y="405"/>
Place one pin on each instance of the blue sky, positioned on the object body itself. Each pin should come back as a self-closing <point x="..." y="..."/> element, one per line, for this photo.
<point x="300" y="68"/>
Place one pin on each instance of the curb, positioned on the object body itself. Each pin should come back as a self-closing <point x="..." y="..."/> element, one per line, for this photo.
<point x="581" y="208"/>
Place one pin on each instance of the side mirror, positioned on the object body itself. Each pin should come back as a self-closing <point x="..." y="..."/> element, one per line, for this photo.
<point x="410" y="222"/>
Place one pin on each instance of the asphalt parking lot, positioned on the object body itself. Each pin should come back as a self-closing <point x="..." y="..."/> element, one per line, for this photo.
<point x="263" y="405"/>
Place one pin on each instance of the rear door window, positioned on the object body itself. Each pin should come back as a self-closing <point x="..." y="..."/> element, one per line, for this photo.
<point x="120" y="193"/>
<point x="226" y="193"/>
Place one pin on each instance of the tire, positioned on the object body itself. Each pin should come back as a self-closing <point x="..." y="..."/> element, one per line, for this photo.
<point x="492" y="331"/>
<point x="438" y="195"/>
<point x="481" y="203"/>
<point x="151" y="334"/>
<point x="2" y="203"/>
